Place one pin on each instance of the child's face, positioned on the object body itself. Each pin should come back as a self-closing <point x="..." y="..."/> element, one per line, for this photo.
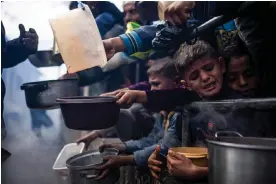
<point x="241" y="76"/>
<point x="205" y="76"/>
<point x="159" y="82"/>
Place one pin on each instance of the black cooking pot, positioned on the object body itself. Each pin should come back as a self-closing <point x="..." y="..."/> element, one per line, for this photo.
<point x="43" y="95"/>
<point x="241" y="160"/>
<point x="89" y="113"/>
<point x="57" y="58"/>
<point x="44" y="59"/>
<point x="87" y="76"/>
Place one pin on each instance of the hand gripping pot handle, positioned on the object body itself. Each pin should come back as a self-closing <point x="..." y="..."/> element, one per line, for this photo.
<point x="226" y="133"/>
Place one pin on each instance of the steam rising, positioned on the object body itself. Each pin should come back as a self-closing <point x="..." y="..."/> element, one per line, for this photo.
<point x="231" y="115"/>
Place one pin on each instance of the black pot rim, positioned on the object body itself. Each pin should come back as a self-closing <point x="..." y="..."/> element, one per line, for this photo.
<point x="86" y="99"/>
<point x="243" y="145"/>
<point x="33" y="84"/>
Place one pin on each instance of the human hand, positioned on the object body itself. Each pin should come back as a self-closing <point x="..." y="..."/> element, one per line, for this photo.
<point x="113" y="162"/>
<point x="113" y="93"/>
<point x="28" y="38"/>
<point x="112" y="46"/>
<point x="109" y="48"/>
<point x="88" y="138"/>
<point x="180" y="166"/>
<point x="154" y="164"/>
<point x="128" y="97"/>
<point x="179" y="12"/>
<point x="119" y="146"/>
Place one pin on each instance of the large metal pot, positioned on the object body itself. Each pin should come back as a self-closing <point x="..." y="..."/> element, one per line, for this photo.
<point x="43" y="95"/>
<point x="241" y="160"/>
<point x="81" y="168"/>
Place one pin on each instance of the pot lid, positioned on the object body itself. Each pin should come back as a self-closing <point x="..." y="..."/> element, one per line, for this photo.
<point x="84" y="161"/>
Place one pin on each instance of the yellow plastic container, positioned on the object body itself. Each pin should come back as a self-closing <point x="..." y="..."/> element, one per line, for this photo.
<point x="198" y="155"/>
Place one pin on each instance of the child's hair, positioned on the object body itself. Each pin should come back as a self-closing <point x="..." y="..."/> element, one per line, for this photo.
<point x="164" y="67"/>
<point x="187" y="54"/>
<point x="235" y="49"/>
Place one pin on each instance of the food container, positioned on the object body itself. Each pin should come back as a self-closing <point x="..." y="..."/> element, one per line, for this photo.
<point x="239" y="160"/>
<point x="43" y="94"/>
<point x="68" y="151"/>
<point x="82" y="168"/>
<point x="198" y="155"/>
<point x="89" y="113"/>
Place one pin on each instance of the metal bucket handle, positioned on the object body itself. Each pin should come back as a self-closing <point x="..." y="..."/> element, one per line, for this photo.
<point x="218" y="134"/>
<point x="89" y="176"/>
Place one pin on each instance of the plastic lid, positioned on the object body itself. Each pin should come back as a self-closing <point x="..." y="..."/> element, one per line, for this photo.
<point x="68" y="151"/>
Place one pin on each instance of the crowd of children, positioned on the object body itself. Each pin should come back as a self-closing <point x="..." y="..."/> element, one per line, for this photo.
<point x="196" y="72"/>
<point x="206" y="75"/>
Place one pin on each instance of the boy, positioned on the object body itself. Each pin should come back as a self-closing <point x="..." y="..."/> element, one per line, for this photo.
<point x="241" y="72"/>
<point x="162" y="75"/>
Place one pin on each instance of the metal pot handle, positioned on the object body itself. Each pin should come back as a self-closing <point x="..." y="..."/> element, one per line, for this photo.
<point x="89" y="176"/>
<point x="217" y="134"/>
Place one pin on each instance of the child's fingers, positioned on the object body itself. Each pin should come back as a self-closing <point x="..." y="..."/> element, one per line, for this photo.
<point x="154" y="175"/>
<point x="155" y="162"/>
<point x="154" y="168"/>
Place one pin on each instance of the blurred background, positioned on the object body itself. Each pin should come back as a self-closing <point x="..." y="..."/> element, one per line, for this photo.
<point x="35" y="137"/>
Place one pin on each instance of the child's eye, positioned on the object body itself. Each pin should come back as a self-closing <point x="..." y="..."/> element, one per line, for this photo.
<point x="231" y="78"/>
<point x="248" y="73"/>
<point x="132" y="11"/>
<point x="194" y="76"/>
<point x="208" y="67"/>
